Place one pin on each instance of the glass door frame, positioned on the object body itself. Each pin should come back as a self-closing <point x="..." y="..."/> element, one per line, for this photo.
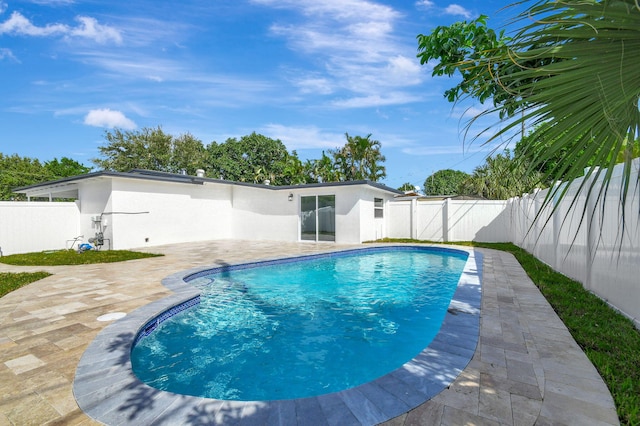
<point x="323" y="217"/>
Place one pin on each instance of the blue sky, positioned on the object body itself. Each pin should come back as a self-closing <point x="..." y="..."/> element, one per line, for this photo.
<point x="302" y="71"/>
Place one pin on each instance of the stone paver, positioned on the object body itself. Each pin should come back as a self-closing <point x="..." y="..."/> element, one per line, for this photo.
<point x="526" y="369"/>
<point x="531" y="371"/>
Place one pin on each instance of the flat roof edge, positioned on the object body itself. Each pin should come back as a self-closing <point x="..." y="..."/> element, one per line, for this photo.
<point x="178" y="178"/>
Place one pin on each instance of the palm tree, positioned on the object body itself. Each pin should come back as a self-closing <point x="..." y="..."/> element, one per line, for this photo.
<point x="293" y="171"/>
<point x="584" y="83"/>
<point x="501" y="177"/>
<point x="325" y="170"/>
<point x="360" y="159"/>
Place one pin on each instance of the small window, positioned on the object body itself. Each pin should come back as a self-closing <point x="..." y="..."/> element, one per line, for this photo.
<point x="378" y="208"/>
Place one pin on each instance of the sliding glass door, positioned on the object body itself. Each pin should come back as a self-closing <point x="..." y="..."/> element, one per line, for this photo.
<point x="318" y="218"/>
<point x="326" y="218"/>
<point x="308" y="218"/>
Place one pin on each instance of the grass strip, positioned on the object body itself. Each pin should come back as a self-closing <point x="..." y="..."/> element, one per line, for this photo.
<point x="609" y="339"/>
<point x="72" y="257"/>
<point x="10" y="281"/>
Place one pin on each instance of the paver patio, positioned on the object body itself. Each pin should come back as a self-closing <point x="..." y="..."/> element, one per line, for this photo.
<point x="527" y="369"/>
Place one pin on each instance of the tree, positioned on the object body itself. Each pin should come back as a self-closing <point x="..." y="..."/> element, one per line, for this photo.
<point x="146" y="149"/>
<point x="560" y="167"/>
<point x="294" y="171"/>
<point x="323" y="169"/>
<point x="407" y="186"/>
<point x="150" y="149"/>
<point x="445" y="182"/>
<point x="464" y="47"/>
<point x="252" y="158"/>
<point x="16" y="171"/>
<point x="501" y="177"/>
<point x="573" y="65"/>
<point x="65" y="167"/>
<point x="360" y="159"/>
<point x="188" y="154"/>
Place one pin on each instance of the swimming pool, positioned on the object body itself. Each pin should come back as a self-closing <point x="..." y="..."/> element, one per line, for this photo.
<point x="303" y="327"/>
<point x="106" y="388"/>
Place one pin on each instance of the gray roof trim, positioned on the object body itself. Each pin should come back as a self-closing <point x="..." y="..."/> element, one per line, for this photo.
<point x="178" y="178"/>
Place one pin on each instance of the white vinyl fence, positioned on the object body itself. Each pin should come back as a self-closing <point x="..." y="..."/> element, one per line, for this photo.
<point x="449" y="220"/>
<point x="37" y="226"/>
<point x="589" y="242"/>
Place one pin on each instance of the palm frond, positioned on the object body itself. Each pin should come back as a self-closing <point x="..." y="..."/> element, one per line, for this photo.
<point x="578" y="70"/>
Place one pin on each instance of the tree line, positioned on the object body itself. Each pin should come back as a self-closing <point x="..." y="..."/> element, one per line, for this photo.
<point x="17" y="171"/>
<point x="513" y="173"/>
<point x="252" y="158"/>
<point x="257" y="158"/>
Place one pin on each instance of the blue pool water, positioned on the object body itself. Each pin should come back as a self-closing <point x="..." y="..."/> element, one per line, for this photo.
<point x="303" y="328"/>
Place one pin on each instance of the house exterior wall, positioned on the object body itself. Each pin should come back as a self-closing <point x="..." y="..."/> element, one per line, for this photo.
<point x="264" y="214"/>
<point x="147" y="213"/>
<point x="348" y="211"/>
<point x="96" y="199"/>
<point x="37" y="226"/>
<point x="370" y="227"/>
<point x="267" y="214"/>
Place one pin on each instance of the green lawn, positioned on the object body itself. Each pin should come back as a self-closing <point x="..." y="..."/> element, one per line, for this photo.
<point x="13" y="281"/>
<point x="72" y="257"/>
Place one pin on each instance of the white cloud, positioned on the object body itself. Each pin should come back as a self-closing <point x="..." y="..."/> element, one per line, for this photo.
<point x="467" y="112"/>
<point x="459" y="148"/>
<point x="136" y="66"/>
<point x="452" y="9"/>
<point x="397" y="98"/>
<point x="355" y="45"/>
<point x="303" y="137"/>
<point x="401" y="70"/>
<point x="7" y="54"/>
<point x="338" y="9"/>
<point x="108" y="118"/>
<point x="315" y="85"/>
<point x="88" y="28"/>
<point x="457" y="10"/>
<point x="425" y="4"/>
<point x="3" y="7"/>
<point x="18" y="24"/>
<point x="52" y="2"/>
<point x="91" y="29"/>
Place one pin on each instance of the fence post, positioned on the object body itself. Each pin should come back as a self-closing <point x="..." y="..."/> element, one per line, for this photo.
<point x="445" y="220"/>
<point x="592" y="245"/>
<point x="556" y="225"/>
<point x="535" y="225"/>
<point x="413" y="216"/>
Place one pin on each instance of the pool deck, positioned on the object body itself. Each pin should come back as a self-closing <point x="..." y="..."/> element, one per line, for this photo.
<point x="526" y="369"/>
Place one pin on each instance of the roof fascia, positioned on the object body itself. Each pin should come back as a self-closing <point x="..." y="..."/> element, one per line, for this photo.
<point x="178" y="178"/>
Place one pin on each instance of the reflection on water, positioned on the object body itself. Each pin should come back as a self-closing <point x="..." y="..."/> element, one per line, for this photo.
<point x="303" y="328"/>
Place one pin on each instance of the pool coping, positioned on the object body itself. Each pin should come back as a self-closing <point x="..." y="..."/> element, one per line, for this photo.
<point x="107" y="390"/>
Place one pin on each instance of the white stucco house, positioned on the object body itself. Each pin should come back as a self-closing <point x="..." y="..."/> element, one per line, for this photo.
<point x="147" y="208"/>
